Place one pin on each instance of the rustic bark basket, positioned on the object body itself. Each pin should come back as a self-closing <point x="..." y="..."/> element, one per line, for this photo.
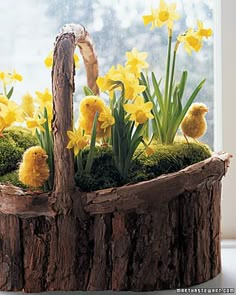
<point x="159" y="234"/>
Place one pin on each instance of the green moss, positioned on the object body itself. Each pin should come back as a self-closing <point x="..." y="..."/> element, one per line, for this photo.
<point x="11" y="178"/>
<point x="103" y="173"/>
<point x="22" y="137"/>
<point x="166" y="159"/>
<point x="15" y="141"/>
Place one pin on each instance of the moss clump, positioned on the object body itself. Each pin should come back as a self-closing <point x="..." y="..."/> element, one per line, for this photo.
<point x="12" y="145"/>
<point x="166" y="159"/>
<point x="21" y="136"/>
<point x="11" y="178"/>
<point x="103" y="173"/>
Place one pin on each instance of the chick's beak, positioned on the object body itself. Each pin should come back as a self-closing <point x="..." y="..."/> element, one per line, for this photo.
<point x="45" y="156"/>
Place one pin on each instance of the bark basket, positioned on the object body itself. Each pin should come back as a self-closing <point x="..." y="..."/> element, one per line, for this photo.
<point x="159" y="234"/>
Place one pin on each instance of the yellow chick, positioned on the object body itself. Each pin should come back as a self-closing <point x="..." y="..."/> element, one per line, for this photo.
<point x="88" y="108"/>
<point x="34" y="169"/>
<point x="194" y="124"/>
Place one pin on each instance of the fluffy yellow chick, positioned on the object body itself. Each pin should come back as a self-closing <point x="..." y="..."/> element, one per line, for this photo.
<point x="34" y="169"/>
<point x="194" y="123"/>
<point x="88" y="108"/>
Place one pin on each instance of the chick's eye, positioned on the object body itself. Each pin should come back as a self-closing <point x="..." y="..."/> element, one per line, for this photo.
<point x="35" y="153"/>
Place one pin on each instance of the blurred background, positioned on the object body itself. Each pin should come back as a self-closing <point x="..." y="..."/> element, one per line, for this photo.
<point x="29" y="28"/>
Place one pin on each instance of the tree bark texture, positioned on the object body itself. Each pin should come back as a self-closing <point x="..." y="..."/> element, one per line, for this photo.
<point x="159" y="234"/>
<point x="63" y="72"/>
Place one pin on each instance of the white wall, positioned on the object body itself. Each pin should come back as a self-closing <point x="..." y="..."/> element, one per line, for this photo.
<point x="228" y="33"/>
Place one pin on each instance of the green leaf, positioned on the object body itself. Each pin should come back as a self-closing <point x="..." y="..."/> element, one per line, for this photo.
<point x="49" y="149"/>
<point x="157" y="92"/>
<point x="90" y="158"/>
<point x="171" y="132"/>
<point x="88" y="91"/>
<point x="155" y="113"/>
<point x="9" y="94"/>
<point x="182" y="84"/>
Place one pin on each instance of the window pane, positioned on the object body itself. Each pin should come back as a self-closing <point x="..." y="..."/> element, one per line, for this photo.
<point x="28" y="32"/>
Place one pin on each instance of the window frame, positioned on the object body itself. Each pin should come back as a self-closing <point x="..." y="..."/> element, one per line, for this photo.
<point x="226" y="106"/>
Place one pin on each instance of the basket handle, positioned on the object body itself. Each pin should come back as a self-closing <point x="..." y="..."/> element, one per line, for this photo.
<point x="63" y="72"/>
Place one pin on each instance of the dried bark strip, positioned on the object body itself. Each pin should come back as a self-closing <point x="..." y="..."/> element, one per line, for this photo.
<point x="171" y="242"/>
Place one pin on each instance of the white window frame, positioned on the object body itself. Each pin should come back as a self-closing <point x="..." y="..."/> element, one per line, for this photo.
<point x="225" y="106"/>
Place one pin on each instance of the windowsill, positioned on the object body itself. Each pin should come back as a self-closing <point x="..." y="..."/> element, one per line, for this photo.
<point x="228" y="244"/>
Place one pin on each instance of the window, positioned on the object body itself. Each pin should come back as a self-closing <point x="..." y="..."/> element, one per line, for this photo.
<point x="29" y="30"/>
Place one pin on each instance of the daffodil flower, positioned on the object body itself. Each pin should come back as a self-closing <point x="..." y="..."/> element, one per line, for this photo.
<point x="191" y="40"/>
<point x="4" y="77"/>
<point x="124" y="75"/>
<point x="106" y="83"/>
<point x="106" y="118"/>
<point x="76" y="60"/>
<point x="48" y="61"/>
<point x="10" y="113"/>
<point x="27" y="105"/>
<point x="2" y="126"/>
<point x="43" y="98"/>
<point x="16" y="77"/>
<point x="132" y="88"/>
<point x="164" y="15"/>
<point x="4" y="100"/>
<point x="35" y="123"/>
<point x="136" y="61"/>
<point x="203" y="32"/>
<point x="76" y="141"/>
<point x="140" y="111"/>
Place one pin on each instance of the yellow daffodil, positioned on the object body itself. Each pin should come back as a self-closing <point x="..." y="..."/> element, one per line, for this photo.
<point x="164" y="15"/>
<point x="203" y="32"/>
<point x="27" y="105"/>
<point x="5" y="77"/>
<point x="124" y="75"/>
<point x="2" y="126"/>
<point x="76" y="60"/>
<point x="43" y="98"/>
<point x="48" y="61"/>
<point x="77" y="140"/>
<point x="35" y="123"/>
<point x="2" y="75"/>
<point x="105" y="83"/>
<point x="192" y="41"/>
<point x="136" y="61"/>
<point x="4" y="100"/>
<point x="139" y="110"/>
<point x="132" y="88"/>
<point x="16" y="77"/>
<point x="10" y="113"/>
<point x="106" y="118"/>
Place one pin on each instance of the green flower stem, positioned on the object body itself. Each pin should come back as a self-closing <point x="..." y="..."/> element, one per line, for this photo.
<point x="172" y="72"/>
<point x="79" y="162"/>
<point x="91" y="153"/>
<point x="166" y="97"/>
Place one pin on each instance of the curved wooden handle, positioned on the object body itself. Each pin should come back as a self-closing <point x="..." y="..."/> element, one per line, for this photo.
<point x="63" y="88"/>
